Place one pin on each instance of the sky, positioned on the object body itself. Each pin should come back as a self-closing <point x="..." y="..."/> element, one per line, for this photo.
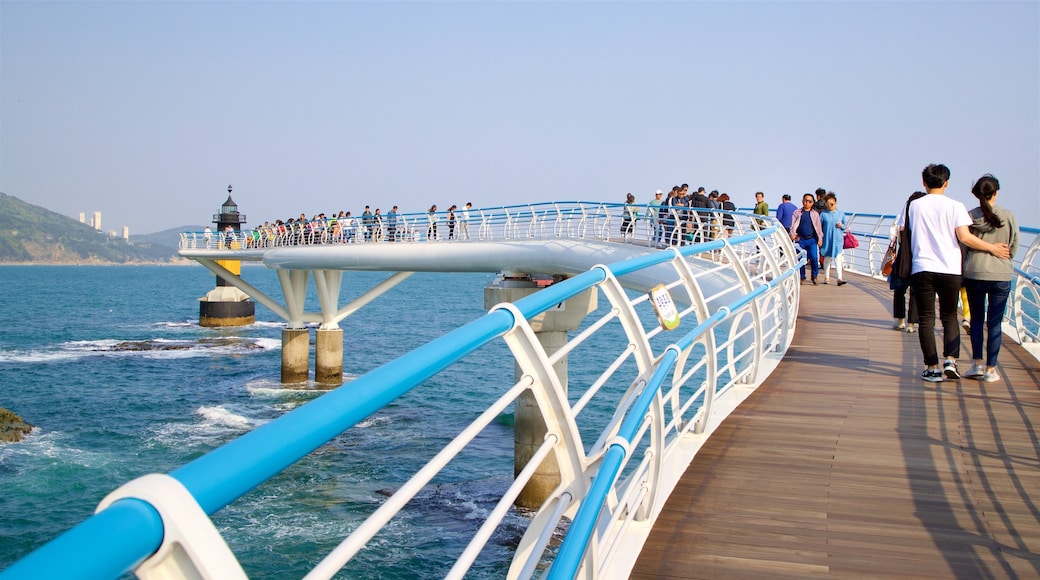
<point x="147" y="110"/>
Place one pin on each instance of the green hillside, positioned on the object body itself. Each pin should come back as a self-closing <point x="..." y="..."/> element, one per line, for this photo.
<point x="33" y="234"/>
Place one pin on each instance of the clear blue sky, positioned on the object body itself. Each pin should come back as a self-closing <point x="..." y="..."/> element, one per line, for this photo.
<point x="146" y="111"/>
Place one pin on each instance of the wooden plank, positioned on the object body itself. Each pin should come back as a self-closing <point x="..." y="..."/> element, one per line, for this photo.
<point x="844" y="463"/>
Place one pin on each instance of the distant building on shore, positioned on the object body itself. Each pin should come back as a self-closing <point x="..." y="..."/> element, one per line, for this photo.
<point x="95" y="222"/>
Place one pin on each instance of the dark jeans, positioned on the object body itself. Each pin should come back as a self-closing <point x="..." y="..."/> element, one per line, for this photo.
<point x="996" y="294"/>
<point x="812" y="250"/>
<point x="925" y="286"/>
<point x="899" y="306"/>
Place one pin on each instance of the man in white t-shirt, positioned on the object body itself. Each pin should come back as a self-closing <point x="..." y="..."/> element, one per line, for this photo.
<point x="938" y="225"/>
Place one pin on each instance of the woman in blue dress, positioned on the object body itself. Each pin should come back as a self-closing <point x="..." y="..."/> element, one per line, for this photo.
<point x="832" y="250"/>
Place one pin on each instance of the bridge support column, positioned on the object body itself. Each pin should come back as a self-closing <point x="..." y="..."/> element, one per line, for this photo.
<point x="296" y="354"/>
<point x="551" y="329"/>
<point x="328" y="356"/>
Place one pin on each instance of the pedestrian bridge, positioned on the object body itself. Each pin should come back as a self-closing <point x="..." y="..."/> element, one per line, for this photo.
<point x="557" y="240"/>
<point x="819" y="460"/>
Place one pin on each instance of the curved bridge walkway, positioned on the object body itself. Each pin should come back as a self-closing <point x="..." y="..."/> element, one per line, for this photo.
<point x="845" y="464"/>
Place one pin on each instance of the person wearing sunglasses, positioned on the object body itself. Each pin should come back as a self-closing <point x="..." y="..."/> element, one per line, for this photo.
<point x="807" y="232"/>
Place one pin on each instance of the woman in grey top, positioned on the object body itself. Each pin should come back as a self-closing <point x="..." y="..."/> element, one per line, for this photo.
<point x="988" y="278"/>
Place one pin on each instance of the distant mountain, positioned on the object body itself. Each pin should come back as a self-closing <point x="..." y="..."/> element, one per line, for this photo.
<point x="170" y="238"/>
<point x="33" y="234"/>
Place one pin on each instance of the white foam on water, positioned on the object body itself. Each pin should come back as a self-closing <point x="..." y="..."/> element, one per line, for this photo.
<point x="212" y="425"/>
<point x="152" y="348"/>
<point x="170" y="324"/>
<point x="372" y="421"/>
<point x="472" y="511"/>
<point x="269" y="343"/>
<point x="221" y="417"/>
<point x="50" y="444"/>
<point x="267" y="324"/>
<point x="38" y="356"/>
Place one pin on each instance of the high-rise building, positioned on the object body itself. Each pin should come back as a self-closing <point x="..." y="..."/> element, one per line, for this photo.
<point x="82" y="218"/>
<point x="97" y="221"/>
<point x="126" y="233"/>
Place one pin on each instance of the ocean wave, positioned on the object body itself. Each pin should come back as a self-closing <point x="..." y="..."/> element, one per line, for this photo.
<point x="52" y="445"/>
<point x="161" y="348"/>
<point x="220" y="416"/>
<point x="38" y="356"/>
<point x="192" y="324"/>
<point x="213" y="424"/>
<point x="267" y="324"/>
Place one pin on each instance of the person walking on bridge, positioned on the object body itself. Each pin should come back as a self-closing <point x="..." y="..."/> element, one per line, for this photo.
<point x="464" y="221"/>
<point x="785" y="211"/>
<point x="431" y="230"/>
<point x="832" y="249"/>
<point x="807" y="232"/>
<point x="653" y="213"/>
<point x="391" y="224"/>
<point x="987" y="278"/>
<point x="937" y="223"/>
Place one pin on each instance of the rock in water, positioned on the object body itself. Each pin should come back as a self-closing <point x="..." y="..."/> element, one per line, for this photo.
<point x="12" y="427"/>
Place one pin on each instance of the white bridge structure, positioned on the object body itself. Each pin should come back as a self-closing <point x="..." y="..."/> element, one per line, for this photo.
<point x="731" y="277"/>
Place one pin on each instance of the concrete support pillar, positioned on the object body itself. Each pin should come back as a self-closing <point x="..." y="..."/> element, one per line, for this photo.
<point x="296" y="355"/>
<point x="529" y="431"/>
<point x="328" y="356"/>
<point x="529" y="428"/>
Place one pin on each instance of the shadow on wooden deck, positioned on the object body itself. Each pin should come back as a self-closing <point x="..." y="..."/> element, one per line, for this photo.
<point x="844" y="463"/>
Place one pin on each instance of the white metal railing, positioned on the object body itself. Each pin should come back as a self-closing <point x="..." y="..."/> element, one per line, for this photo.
<point x="654" y="226"/>
<point x="737" y="299"/>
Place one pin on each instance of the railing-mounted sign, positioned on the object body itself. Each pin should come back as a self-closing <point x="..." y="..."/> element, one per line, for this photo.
<point x="664" y="307"/>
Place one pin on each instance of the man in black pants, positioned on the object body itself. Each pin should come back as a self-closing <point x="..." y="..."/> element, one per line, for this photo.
<point x="937" y="223"/>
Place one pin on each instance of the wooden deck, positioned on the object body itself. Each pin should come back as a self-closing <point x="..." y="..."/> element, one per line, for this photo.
<point x="844" y="463"/>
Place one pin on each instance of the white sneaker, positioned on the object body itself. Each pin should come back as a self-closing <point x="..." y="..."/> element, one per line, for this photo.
<point x="976" y="371"/>
<point x="899" y="325"/>
<point x="966" y="323"/>
<point x="912" y="327"/>
<point x="991" y="376"/>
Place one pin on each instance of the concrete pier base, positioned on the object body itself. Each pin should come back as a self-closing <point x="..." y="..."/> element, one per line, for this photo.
<point x="296" y="351"/>
<point x="551" y="329"/>
<point x="226" y="306"/>
<point x="529" y="431"/>
<point x="328" y="356"/>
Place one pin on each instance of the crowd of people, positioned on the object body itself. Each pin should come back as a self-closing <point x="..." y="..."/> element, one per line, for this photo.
<point x="962" y="258"/>
<point x="682" y="217"/>
<point x="369" y="226"/>
<point x="686" y="216"/>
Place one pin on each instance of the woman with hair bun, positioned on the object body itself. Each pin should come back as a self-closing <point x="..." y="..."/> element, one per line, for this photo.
<point x="987" y="278"/>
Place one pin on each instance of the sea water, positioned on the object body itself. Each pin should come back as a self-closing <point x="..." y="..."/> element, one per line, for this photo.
<point x="110" y="364"/>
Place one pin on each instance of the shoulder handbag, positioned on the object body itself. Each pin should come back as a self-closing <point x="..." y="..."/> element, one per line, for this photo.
<point x="890" y="258"/>
<point x="850" y="241"/>
<point x="904" y="256"/>
<point x="904" y="263"/>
